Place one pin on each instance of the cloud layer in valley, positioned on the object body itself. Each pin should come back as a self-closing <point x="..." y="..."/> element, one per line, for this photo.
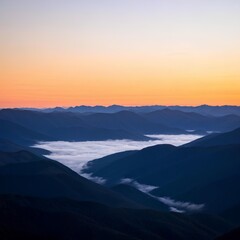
<point x="174" y="206"/>
<point x="177" y="206"/>
<point x="96" y="179"/>
<point x="142" y="187"/>
<point x="76" y="154"/>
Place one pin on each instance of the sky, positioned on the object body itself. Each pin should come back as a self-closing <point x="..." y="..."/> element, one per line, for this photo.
<point x="128" y="52"/>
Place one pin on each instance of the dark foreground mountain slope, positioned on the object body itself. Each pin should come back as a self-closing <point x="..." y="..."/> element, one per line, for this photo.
<point x="36" y="218"/>
<point x="201" y="175"/>
<point x="135" y="165"/>
<point x="98" y="164"/>
<point x="24" y="173"/>
<point x="139" y="197"/>
<point x="232" y="235"/>
<point x="42" y="199"/>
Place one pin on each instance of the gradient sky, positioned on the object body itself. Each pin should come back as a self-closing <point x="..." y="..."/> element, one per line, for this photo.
<point x="130" y="52"/>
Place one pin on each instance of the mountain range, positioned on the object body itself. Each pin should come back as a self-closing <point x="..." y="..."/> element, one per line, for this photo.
<point x="161" y="192"/>
<point x="201" y="172"/>
<point x="27" y="127"/>
<point x="42" y="199"/>
<point x="201" y="109"/>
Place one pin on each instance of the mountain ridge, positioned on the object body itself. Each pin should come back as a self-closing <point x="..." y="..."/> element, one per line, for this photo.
<point x="215" y="110"/>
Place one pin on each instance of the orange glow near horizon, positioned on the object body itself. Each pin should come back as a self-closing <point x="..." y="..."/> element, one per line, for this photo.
<point x="59" y="57"/>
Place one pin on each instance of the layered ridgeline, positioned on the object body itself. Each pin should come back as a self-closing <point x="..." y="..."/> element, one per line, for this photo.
<point x="202" y="109"/>
<point x="30" y="127"/>
<point x="194" y="121"/>
<point x="160" y="192"/>
<point x="42" y="199"/>
<point x="26" y="127"/>
<point x="201" y="176"/>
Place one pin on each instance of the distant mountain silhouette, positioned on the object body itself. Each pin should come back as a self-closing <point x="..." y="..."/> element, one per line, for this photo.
<point x="194" y="121"/>
<point x="8" y="146"/>
<point x="56" y="126"/>
<point x="70" y="126"/>
<point x="227" y="138"/>
<point x="20" y="134"/>
<point x="206" y="110"/>
<point x="95" y="134"/>
<point x="187" y="120"/>
<point x="128" y="121"/>
<point x="74" y="127"/>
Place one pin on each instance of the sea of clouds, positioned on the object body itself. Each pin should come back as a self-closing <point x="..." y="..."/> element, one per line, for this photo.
<point x="75" y="155"/>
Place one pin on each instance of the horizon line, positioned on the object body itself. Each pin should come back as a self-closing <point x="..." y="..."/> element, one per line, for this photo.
<point x="119" y="105"/>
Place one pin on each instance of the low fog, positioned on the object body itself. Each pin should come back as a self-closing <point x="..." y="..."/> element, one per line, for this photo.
<point x="174" y="206"/>
<point x="76" y="154"/>
<point x="177" y="206"/>
<point x="141" y="187"/>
